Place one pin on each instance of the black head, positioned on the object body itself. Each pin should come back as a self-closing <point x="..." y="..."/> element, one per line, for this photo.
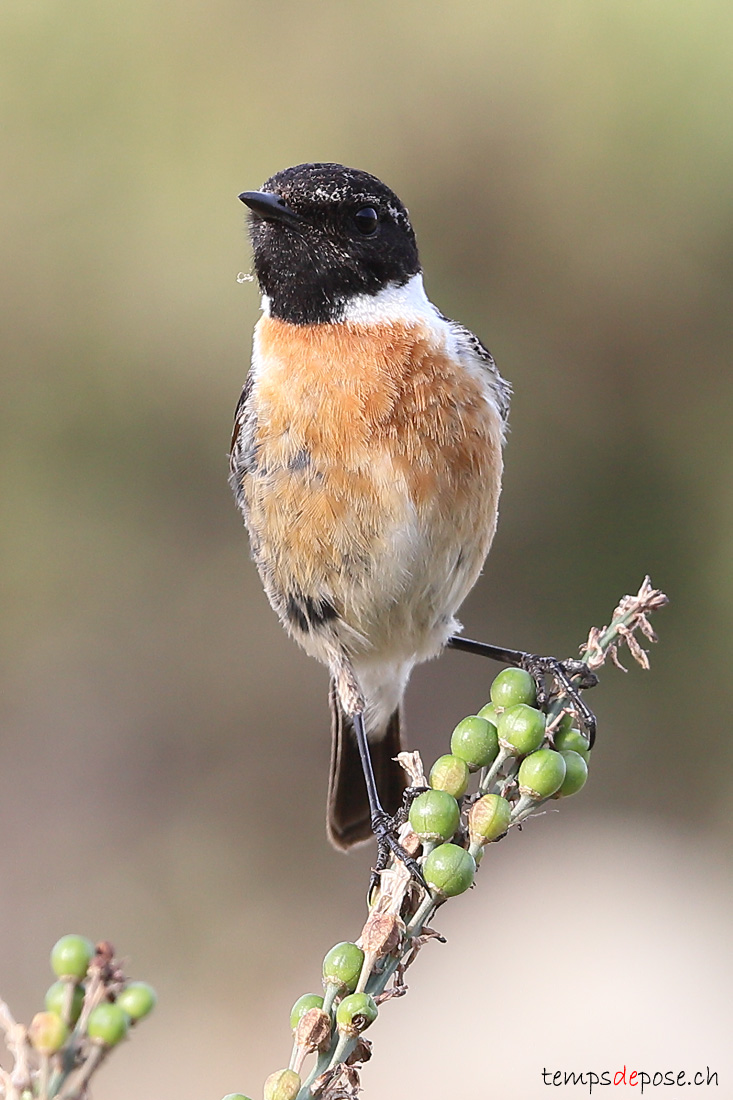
<point x="322" y="233"/>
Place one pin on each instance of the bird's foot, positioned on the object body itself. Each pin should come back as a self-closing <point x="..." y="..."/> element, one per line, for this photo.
<point x="570" y="678"/>
<point x="385" y="829"/>
<point x="408" y="797"/>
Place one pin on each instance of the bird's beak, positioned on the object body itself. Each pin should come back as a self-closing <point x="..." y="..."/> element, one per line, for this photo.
<point x="269" y="207"/>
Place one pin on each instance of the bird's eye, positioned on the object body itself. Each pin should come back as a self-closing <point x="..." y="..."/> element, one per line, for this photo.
<point x="366" y="220"/>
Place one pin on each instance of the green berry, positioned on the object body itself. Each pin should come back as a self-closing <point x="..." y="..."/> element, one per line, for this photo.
<point x="574" y="740"/>
<point x="70" y="957"/>
<point x="355" y="1013"/>
<point x="567" y="720"/>
<point x="490" y="713"/>
<point x="235" y="1096"/>
<point x="512" y="686"/>
<point x="56" y="999"/>
<point x="108" y="1024"/>
<point x="342" y="966"/>
<point x="576" y="774"/>
<point x="283" y="1084"/>
<point x="476" y="741"/>
<point x="434" y="815"/>
<point x="302" y="1005"/>
<point x="521" y="729"/>
<point x="449" y="870"/>
<point x="137" y="999"/>
<point x="541" y="773"/>
<point x="489" y="818"/>
<point x="47" y="1032"/>
<point x="449" y="773"/>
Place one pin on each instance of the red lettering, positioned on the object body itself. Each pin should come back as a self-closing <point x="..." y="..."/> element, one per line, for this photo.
<point x="619" y="1077"/>
<point x="632" y="1077"/>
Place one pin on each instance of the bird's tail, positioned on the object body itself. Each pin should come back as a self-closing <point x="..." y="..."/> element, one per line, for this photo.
<point x="348" y="818"/>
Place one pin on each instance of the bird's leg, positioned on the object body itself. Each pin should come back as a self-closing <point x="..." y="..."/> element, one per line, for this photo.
<point x="572" y="676"/>
<point x="384" y="826"/>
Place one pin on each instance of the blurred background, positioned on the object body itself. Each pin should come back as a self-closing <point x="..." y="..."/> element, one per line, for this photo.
<point x="164" y="746"/>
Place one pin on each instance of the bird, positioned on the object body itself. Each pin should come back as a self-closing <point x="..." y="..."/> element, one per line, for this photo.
<point x="366" y="459"/>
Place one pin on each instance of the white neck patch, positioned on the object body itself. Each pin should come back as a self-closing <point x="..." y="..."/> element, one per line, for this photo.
<point x="406" y="304"/>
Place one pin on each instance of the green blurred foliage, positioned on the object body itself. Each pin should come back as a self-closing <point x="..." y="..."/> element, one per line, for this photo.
<point x="567" y="167"/>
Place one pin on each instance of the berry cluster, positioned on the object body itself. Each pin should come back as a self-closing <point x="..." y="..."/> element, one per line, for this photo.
<point x="89" y="1009"/>
<point x="521" y="756"/>
<point x="522" y="752"/>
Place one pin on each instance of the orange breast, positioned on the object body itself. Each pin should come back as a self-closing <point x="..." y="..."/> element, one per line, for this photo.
<point x="374" y="447"/>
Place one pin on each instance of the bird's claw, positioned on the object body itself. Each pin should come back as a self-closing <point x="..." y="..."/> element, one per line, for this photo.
<point x="385" y="829"/>
<point x="408" y="797"/>
<point x="571" y="676"/>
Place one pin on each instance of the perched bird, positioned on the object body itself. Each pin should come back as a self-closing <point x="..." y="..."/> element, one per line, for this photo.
<point x="366" y="459"/>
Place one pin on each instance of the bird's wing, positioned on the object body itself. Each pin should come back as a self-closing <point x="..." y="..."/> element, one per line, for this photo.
<point x="242" y="451"/>
<point x="470" y="347"/>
